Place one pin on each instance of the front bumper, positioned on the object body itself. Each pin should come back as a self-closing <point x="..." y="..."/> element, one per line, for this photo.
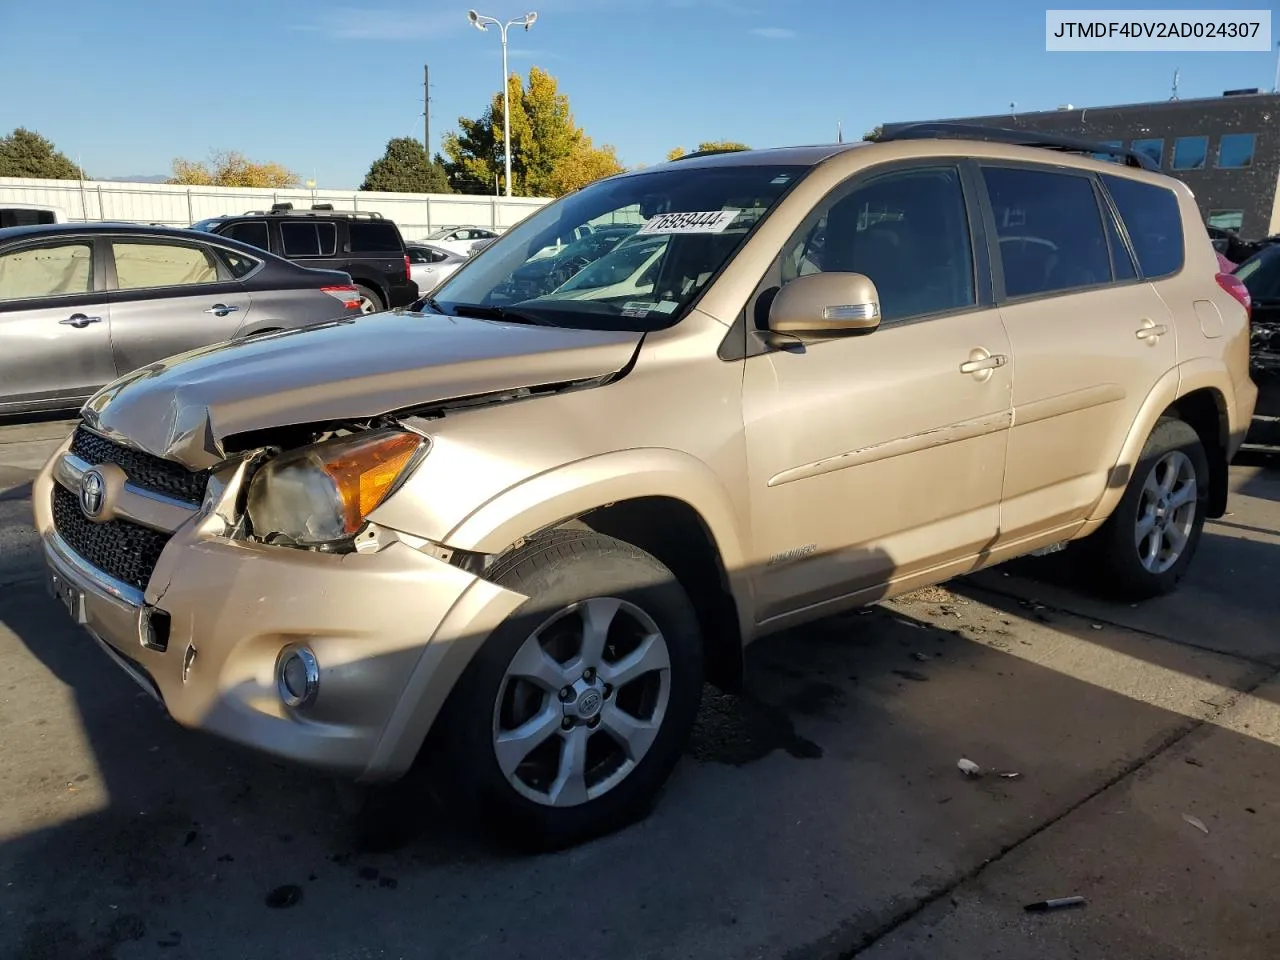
<point x="392" y="631"/>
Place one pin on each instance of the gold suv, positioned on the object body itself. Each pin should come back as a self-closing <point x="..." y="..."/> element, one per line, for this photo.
<point x="509" y="531"/>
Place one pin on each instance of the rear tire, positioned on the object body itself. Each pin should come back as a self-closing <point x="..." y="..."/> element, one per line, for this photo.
<point x="535" y="744"/>
<point x="370" y="300"/>
<point x="1146" y="545"/>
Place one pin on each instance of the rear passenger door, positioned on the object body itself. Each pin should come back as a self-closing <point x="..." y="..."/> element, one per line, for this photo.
<point x="170" y="296"/>
<point x="1089" y="340"/>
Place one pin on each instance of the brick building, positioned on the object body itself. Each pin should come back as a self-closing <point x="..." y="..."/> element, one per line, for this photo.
<point x="1226" y="149"/>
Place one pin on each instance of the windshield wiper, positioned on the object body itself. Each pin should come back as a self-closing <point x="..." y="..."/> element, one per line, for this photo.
<point x="485" y="312"/>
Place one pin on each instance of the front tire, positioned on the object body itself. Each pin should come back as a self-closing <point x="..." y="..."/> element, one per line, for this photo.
<point x="1146" y="545"/>
<point x="575" y="711"/>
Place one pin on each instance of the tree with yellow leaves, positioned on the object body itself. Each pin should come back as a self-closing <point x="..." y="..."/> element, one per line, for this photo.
<point x="709" y="146"/>
<point x="227" y="168"/>
<point x="550" y="153"/>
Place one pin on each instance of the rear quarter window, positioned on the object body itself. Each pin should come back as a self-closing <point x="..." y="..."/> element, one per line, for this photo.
<point x="374" y="237"/>
<point x="1151" y="215"/>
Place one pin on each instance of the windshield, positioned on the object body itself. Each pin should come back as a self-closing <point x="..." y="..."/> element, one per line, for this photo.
<point x="440" y="234"/>
<point x="633" y="262"/>
<point x="206" y="225"/>
<point x="628" y="253"/>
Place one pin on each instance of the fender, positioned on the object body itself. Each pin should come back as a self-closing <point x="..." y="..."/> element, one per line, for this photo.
<point x="569" y="491"/>
<point x="1178" y="382"/>
<point x="1202" y="373"/>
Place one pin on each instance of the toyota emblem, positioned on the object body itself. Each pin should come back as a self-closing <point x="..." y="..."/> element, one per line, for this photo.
<point x="92" y="493"/>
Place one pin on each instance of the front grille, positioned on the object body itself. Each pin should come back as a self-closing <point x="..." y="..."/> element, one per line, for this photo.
<point x="151" y="473"/>
<point x="120" y="549"/>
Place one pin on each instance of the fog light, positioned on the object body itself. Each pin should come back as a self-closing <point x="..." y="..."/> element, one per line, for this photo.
<point x="153" y="629"/>
<point x="298" y="677"/>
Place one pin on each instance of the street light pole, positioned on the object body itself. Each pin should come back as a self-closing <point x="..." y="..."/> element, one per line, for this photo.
<point x="482" y="23"/>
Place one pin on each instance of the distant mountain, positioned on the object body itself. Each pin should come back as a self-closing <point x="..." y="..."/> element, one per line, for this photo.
<point x="138" y="178"/>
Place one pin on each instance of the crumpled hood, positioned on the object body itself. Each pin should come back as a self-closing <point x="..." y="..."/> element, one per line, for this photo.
<point x="183" y="408"/>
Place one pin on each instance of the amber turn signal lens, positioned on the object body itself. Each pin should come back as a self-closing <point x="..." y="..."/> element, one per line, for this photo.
<point x="364" y="472"/>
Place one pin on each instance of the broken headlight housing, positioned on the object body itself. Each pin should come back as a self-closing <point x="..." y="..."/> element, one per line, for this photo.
<point x="320" y="495"/>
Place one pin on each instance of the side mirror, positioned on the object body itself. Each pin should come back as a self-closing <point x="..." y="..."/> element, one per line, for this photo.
<point x="826" y="304"/>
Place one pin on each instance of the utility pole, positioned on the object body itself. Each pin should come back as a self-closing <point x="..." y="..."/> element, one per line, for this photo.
<point x="426" y="109"/>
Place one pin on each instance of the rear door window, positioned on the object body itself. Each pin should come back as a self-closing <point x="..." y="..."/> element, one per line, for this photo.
<point x="1121" y="260"/>
<point x="374" y="237"/>
<point x="252" y="232"/>
<point x="304" y="238"/>
<point x="143" y="263"/>
<point x="1050" y="230"/>
<point x="1150" y="214"/>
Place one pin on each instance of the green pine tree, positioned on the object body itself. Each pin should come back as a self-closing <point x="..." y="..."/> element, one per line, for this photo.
<point x="406" y="168"/>
<point x="24" y="153"/>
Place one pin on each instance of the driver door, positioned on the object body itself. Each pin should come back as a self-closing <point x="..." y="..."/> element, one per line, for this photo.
<point x="875" y="457"/>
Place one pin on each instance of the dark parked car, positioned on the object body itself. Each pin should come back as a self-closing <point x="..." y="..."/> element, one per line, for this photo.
<point x="365" y="246"/>
<point x="1261" y="275"/>
<point x="1229" y="244"/>
<point x="81" y="304"/>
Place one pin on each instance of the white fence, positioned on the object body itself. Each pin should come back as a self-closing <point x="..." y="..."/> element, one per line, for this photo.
<point x="417" y="214"/>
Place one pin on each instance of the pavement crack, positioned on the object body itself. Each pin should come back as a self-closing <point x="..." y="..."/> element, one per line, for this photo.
<point x="899" y="919"/>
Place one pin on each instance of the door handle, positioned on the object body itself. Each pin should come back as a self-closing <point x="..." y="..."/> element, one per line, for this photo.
<point x="1151" y="331"/>
<point x="221" y="309"/>
<point x="79" y="321"/>
<point x="979" y="364"/>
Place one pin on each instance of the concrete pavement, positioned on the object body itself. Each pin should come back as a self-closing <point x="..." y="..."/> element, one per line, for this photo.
<point x="821" y="815"/>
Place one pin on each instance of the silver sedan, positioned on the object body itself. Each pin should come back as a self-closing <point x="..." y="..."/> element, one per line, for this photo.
<point x="429" y="265"/>
<point x="84" y="303"/>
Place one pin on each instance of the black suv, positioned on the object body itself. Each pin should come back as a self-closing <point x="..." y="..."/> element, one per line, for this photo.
<point x="366" y="246"/>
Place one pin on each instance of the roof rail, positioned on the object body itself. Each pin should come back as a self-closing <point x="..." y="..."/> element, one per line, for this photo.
<point x="1021" y="138"/>
<point x="706" y="153"/>
<point x="320" y="210"/>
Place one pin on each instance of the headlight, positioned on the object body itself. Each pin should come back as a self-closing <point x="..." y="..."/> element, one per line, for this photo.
<point x="322" y="493"/>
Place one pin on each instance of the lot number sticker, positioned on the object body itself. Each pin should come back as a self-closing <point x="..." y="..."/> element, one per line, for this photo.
<point x="711" y="221"/>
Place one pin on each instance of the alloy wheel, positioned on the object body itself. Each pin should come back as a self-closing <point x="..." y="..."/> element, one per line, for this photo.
<point x="581" y="702"/>
<point x="1166" y="512"/>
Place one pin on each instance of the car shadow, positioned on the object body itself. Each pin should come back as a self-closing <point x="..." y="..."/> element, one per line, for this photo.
<point x="148" y="840"/>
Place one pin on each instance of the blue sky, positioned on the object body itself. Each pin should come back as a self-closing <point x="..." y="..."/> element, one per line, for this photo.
<point x="127" y="85"/>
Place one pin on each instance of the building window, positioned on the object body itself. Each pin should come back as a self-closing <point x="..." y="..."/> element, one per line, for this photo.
<point x="1152" y="148"/>
<point x="1190" y="153"/>
<point x="1236" y="150"/>
<point x="1115" y="145"/>
<point x="1226" y="219"/>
